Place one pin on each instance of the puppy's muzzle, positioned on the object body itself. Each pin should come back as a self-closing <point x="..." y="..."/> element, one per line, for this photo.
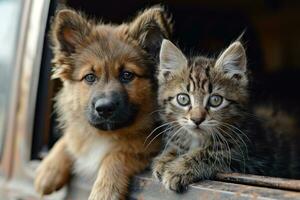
<point x="111" y="110"/>
<point x="106" y="106"/>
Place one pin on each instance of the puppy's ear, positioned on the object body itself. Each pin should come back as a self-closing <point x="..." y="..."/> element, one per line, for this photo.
<point x="233" y="61"/>
<point x="69" y="30"/>
<point x="171" y="61"/>
<point x="150" y="27"/>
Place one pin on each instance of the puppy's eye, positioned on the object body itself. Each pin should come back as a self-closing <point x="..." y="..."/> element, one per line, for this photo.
<point x="126" y="76"/>
<point x="183" y="99"/>
<point x="90" y="78"/>
<point x="215" y="100"/>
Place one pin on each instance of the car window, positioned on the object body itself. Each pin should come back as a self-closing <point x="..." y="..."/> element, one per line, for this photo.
<point x="9" y="20"/>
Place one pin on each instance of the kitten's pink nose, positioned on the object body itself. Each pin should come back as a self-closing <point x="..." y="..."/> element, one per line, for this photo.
<point x="198" y="120"/>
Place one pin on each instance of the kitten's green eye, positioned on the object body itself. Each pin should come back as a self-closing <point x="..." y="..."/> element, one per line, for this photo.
<point x="183" y="99"/>
<point x="215" y="100"/>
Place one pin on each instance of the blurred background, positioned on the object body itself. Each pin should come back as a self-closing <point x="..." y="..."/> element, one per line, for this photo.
<point x="27" y="121"/>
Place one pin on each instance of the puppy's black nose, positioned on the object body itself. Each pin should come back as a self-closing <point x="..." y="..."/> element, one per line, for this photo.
<point x="105" y="107"/>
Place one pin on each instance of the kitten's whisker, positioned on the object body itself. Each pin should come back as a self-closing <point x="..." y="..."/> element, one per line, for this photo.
<point x="237" y="134"/>
<point x="245" y="135"/>
<point x="171" y="127"/>
<point x="165" y="124"/>
<point x="172" y="137"/>
<point x="154" y="139"/>
<point x="220" y="157"/>
<point x="155" y="111"/>
<point x="235" y="140"/>
<point x="217" y="150"/>
<point x="237" y="144"/>
<point x="227" y="147"/>
<point x="253" y="116"/>
<point x="240" y="150"/>
<point x="213" y="146"/>
<point x="243" y="154"/>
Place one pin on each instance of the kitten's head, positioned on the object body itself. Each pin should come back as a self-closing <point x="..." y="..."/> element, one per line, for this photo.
<point x="201" y="94"/>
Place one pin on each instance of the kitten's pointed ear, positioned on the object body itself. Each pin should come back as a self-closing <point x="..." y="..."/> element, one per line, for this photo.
<point x="69" y="29"/>
<point x="150" y="27"/>
<point x="172" y="60"/>
<point x="233" y="60"/>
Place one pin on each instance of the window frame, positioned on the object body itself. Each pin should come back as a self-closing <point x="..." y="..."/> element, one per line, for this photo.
<point x="16" y="166"/>
<point x="8" y="138"/>
<point x="144" y="187"/>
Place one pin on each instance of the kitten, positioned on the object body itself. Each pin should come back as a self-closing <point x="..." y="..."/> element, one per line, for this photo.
<point x="210" y="128"/>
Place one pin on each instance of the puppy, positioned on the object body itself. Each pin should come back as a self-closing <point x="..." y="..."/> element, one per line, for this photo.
<point x="106" y="101"/>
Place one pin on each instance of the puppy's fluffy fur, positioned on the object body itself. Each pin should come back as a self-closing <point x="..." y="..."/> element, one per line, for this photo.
<point x="82" y="47"/>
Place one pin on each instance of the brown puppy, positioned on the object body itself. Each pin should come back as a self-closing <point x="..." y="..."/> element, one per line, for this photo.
<point x="106" y="100"/>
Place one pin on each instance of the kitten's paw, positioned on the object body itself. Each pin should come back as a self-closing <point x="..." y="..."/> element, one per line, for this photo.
<point x="175" y="181"/>
<point x="50" y="176"/>
<point x="158" y="169"/>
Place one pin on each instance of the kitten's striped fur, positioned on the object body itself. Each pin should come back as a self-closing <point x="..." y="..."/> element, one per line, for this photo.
<point x="229" y="138"/>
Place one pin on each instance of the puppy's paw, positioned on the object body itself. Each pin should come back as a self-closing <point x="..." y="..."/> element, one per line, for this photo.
<point x="96" y="196"/>
<point x="51" y="176"/>
<point x="104" y="194"/>
<point x="175" y="180"/>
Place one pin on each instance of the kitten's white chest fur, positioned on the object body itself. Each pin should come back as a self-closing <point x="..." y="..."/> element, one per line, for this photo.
<point x="87" y="163"/>
<point x="195" y="143"/>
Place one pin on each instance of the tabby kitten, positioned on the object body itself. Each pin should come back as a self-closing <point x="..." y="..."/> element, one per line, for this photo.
<point x="209" y="125"/>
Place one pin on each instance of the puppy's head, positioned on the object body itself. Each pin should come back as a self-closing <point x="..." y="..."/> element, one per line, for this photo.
<point x="108" y="70"/>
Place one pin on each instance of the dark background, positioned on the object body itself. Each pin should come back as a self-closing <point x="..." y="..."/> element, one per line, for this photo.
<point x="272" y="31"/>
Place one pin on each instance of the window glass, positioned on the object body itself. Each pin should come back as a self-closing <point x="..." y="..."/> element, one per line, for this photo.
<point x="10" y="11"/>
